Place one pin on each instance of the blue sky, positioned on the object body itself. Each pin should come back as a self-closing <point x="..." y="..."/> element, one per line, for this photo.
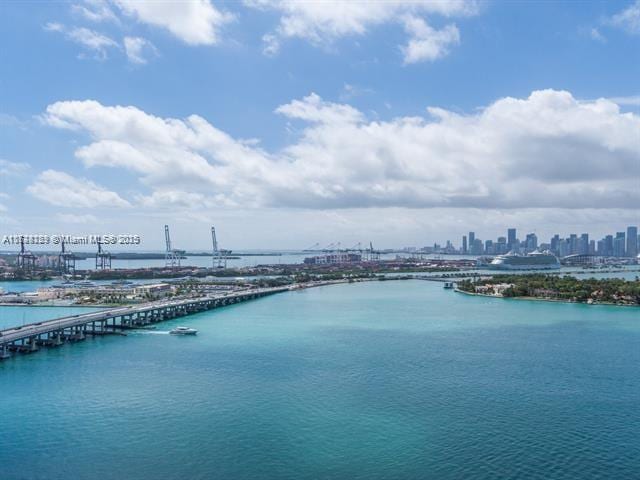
<point x="266" y="161"/>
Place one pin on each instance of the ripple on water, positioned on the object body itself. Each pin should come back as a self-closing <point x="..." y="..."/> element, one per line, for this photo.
<point x="398" y="380"/>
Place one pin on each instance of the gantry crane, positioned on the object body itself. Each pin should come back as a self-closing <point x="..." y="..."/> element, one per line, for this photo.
<point x="219" y="257"/>
<point x="26" y="259"/>
<point x="171" y="256"/>
<point x="103" y="258"/>
<point x="66" y="260"/>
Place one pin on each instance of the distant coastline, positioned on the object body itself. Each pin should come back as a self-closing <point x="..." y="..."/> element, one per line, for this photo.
<point x="543" y="299"/>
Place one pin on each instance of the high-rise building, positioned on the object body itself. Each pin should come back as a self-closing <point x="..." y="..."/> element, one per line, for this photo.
<point x="449" y="247"/>
<point x="476" y="247"/>
<point x="608" y="245"/>
<point x="632" y="241"/>
<point x="619" y="245"/>
<point x="501" y="246"/>
<point x="488" y="247"/>
<point x="555" y="241"/>
<point x="464" y="244"/>
<point x="511" y="238"/>
<point x="573" y="244"/>
<point x="531" y="242"/>
<point x="583" y="244"/>
<point x="472" y="239"/>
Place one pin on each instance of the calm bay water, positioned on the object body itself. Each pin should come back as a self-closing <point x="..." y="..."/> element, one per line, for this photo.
<point x="11" y="316"/>
<point x="393" y="380"/>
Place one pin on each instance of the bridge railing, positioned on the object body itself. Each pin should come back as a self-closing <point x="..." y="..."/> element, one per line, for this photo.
<point x="28" y="330"/>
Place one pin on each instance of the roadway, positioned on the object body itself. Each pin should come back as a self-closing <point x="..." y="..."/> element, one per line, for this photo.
<point x="33" y="329"/>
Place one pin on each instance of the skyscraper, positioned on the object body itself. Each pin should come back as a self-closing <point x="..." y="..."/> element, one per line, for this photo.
<point x="531" y="242"/>
<point x="501" y="246"/>
<point x="477" y="247"/>
<point x="608" y="245"/>
<point x="472" y="239"/>
<point x="555" y="243"/>
<point x="632" y="241"/>
<point x="511" y="238"/>
<point x="573" y="244"/>
<point x="464" y="244"/>
<point x="488" y="247"/>
<point x="619" y="245"/>
<point x="583" y="244"/>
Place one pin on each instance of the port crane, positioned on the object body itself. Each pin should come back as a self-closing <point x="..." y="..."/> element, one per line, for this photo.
<point x="66" y="260"/>
<point x="103" y="258"/>
<point x="356" y="248"/>
<point x="26" y="259"/>
<point x="171" y="256"/>
<point x="219" y="256"/>
<point x="332" y="247"/>
<point x="313" y="248"/>
<point x="373" y="254"/>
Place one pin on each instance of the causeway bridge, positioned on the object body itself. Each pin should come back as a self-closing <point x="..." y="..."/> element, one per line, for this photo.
<point x="52" y="333"/>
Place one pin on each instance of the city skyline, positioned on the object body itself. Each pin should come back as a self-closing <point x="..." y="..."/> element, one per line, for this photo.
<point x="624" y="243"/>
<point x="117" y="119"/>
<point x="621" y="243"/>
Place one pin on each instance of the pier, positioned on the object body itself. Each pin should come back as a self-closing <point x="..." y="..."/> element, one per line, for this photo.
<point x="31" y="337"/>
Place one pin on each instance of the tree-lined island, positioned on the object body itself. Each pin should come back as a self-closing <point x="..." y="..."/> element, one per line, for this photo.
<point x="613" y="291"/>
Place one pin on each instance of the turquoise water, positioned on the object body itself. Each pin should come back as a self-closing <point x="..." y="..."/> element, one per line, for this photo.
<point x="383" y="380"/>
<point x="26" y="285"/>
<point x="629" y="273"/>
<point x="10" y="316"/>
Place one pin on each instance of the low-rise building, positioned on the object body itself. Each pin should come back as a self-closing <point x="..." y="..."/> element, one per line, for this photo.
<point x="154" y="290"/>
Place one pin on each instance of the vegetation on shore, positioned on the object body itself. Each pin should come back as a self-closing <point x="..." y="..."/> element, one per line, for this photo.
<point x="552" y="287"/>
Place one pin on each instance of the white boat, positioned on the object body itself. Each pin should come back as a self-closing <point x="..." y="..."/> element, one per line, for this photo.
<point x="183" y="331"/>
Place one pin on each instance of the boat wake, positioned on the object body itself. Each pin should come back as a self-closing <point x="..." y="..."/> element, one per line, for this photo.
<point x="148" y="332"/>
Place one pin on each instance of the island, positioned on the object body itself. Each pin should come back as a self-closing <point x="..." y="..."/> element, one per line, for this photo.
<point x="611" y="291"/>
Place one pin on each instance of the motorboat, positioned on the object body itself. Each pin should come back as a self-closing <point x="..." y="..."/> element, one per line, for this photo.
<point x="183" y="331"/>
<point x="448" y="285"/>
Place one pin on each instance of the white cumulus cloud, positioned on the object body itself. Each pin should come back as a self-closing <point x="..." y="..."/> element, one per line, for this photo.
<point x="628" y="19"/>
<point x="632" y="100"/>
<point x="95" y="11"/>
<point x="63" y="190"/>
<point x="8" y="168"/>
<point x="94" y="42"/>
<point x="139" y="50"/>
<point x="427" y="43"/>
<point x="195" y="22"/>
<point x="321" y="23"/>
<point x="548" y="150"/>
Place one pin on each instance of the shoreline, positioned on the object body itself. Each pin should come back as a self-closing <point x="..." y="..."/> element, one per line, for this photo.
<point x="349" y="281"/>
<point x="116" y="305"/>
<point x="551" y="300"/>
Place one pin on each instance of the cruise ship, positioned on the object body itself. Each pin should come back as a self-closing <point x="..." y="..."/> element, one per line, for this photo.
<point x="530" y="261"/>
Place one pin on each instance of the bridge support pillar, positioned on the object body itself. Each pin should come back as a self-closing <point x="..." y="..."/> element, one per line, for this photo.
<point x="4" y="352"/>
